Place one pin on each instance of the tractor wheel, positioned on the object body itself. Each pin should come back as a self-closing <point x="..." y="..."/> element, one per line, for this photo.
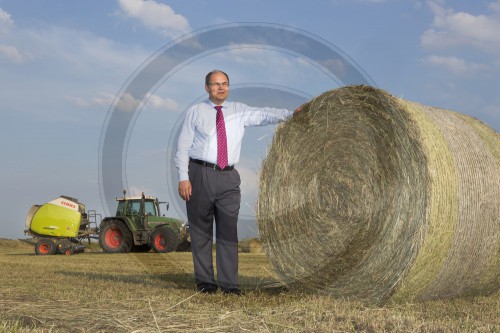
<point x="45" y="246"/>
<point x="115" y="237"/>
<point x="164" y="239"/>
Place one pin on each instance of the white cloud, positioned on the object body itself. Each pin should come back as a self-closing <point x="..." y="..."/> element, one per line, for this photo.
<point x="128" y="103"/>
<point x="454" y="64"/>
<point x="12" y="54"/>
<point x="159" y="103"/>
<point x="138" y="189"/>
<point x="451" y="29"/>
<point x="5" y="22"/>
<point x="9" y="52"/>
<point x="86" y="52"/>
<point x="78" y="101"/>
<point x="155" y="16"/>
<point x="495" y="6"/>
<point x="260" y="57"/>
<point x="103" y="99"/>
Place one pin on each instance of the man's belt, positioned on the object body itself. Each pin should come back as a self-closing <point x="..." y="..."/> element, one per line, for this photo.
<point x="211" y="165"/>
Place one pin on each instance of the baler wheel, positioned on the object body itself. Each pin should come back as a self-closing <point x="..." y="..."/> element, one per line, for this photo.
<point x="45" y="246"/>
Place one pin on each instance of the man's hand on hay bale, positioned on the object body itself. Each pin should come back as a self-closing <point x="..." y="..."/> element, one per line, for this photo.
<point x="297" y="110"/>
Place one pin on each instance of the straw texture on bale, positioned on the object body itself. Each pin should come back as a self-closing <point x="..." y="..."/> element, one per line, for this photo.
<point x="364" y="195"/>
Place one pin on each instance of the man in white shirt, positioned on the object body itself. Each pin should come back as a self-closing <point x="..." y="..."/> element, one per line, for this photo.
<point x="208" y="147"/>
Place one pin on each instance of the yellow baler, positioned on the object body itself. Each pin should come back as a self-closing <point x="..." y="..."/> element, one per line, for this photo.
<point x="60" y="224"/>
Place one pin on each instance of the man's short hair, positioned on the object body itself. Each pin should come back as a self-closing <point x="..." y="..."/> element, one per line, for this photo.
<point x="207" y="78"/>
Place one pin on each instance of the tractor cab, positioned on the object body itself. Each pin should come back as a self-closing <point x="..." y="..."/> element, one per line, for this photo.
<point x="139" y="208"/>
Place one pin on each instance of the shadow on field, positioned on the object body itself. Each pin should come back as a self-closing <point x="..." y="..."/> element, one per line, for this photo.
<point x="176" y="281"/>
<point x="272" y="289"/>
<point x="167" y="280"/>
<point x="33" y="254"/>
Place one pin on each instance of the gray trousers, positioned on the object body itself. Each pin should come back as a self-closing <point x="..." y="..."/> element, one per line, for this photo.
<point x="215" y="195"/>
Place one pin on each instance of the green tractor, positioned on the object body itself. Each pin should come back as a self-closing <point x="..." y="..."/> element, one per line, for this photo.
<point x="139" y="227"/>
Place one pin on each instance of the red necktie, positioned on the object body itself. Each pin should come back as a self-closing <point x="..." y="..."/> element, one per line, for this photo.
<point x="221" y="138"/>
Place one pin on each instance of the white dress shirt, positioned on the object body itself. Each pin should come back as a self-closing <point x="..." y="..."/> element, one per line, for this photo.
<point x="198" y="136"/>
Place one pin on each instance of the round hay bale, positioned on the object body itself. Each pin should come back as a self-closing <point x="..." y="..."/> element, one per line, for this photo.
<point x="255" y="246"/>
<point x="251" y="245"/>
<point x="364" y="195"/>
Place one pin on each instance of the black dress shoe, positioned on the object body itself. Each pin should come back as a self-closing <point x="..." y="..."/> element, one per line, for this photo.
<point x="233" y="291"/>
<point x="207" y="288"/>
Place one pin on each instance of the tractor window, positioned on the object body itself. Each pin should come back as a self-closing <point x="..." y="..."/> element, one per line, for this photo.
<point x="133" y="208"/>
<point x="150" y="208"/>
<point x="120" y="211"/>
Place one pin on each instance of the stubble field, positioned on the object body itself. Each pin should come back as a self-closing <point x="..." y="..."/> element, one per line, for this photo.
<point x="150" y="292"/>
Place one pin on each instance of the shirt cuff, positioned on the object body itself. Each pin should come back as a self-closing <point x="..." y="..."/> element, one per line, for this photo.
<point x="183" y="176"/>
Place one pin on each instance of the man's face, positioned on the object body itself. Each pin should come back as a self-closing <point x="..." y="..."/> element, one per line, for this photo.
<point x="217" y="88"/>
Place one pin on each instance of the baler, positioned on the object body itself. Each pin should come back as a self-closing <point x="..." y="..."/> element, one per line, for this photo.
<point x="60" y="225"/>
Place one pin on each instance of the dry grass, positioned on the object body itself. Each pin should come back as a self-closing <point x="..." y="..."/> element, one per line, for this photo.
<point x="148" y="292"/>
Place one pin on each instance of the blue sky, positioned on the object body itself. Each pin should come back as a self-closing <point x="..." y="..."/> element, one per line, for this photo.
<point x="63" y="63"/>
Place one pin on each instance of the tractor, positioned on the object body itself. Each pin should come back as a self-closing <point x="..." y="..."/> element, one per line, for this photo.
<point x="138" y="226"/>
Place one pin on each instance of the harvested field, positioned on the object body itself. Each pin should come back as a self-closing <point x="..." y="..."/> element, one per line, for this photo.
<point x="149" y="292"/>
